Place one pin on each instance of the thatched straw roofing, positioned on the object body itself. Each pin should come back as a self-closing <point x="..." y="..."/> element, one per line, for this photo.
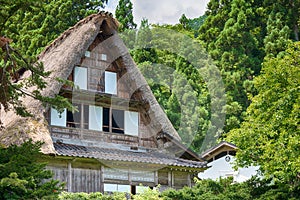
<point x="59" y="58"/>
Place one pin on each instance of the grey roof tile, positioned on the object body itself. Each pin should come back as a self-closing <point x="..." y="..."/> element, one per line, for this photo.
<point x="149" y="156"/>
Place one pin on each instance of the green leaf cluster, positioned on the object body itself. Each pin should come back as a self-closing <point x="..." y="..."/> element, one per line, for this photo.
<point x="36" y="25"/>
<point x="124" y="15"/>
<point x="239" y="34"/>
<point x="174" y="77"/>
<point x="92" y="196"/>
<point x="225" y="189"/>
<point x="270" y="135"/>
<point x="22" y="176"/>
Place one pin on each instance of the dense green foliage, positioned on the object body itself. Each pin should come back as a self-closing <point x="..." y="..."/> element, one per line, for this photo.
<point x="124" y="15"/>
<point x="182" y="78"/>
<point x="38" y="25"/>
<point x="91" y="196"/>
<point x="22" y="176"/>
<point x="192" y="24"/>
<point x="253" y="189"/>
<point x="238" y="35"/>
<point x="270" y="135"/>
<point x="225" y="189"/>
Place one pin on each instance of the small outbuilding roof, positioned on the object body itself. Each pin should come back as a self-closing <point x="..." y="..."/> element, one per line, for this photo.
<point x="215" y="150"/>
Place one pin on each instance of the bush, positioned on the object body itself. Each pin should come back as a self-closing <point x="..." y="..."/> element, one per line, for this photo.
<point x="91" y="196"/>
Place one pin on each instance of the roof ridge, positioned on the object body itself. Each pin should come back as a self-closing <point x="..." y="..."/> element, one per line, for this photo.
<point x="66" y="33"/>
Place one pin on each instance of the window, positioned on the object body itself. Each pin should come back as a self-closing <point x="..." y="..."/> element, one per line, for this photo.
<point x="117" y="121"/>
<point x="103" y="57"/>
<point x="69" y="119"/>
<point x="131" y="123"/>
<point x="110" y="82"/>
<point x="121" y="121"/>
<point x="87" y="54"/>
<point x="80" y="77"/>
<point x="58" y="119"/>
<point x="95" y="118"/>
<point x="116" y="188"/>
<point x="106" y="117"/>
<point x="74" y="119"/>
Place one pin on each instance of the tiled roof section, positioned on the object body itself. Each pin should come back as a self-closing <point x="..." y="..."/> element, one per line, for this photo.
<point x="150" y="156"/>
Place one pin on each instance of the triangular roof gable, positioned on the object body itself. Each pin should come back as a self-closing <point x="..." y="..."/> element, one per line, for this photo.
<point x="61" y="56"/>
<point x="219" y="148"/>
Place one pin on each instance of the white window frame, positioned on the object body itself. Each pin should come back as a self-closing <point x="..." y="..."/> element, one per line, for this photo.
<point x="87" y="54"/>
<point x="109" y="187"/>
<point x="95" y="118"/>
<point x="131" y="123"/>
<point x="80" y="77"/>
<point x="110" y="82"/>
<point x="103" y="57"/>
<point x="58" y="119"/>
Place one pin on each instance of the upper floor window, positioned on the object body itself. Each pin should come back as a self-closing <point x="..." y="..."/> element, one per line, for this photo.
<point x="80" y="77"/>
<point x="103" y="57"/>
<point x="131" y="123"/>
<point x="97" y="118"/>
<point x="110" y="86"/>
<point x="97" y="81"/>
<point x="87" y="54"/>
<point x="69" y="119"/>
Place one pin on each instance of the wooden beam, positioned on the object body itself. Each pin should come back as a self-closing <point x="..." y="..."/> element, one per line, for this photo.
<point x="189" y="181"/>
<point x="69" y="176"/>
<point x="170" y="178"/>
<point x="102" y="179"/>
<point x="156" y="178"/>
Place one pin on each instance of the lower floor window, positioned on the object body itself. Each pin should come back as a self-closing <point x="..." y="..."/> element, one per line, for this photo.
<point x="116" y="188"/>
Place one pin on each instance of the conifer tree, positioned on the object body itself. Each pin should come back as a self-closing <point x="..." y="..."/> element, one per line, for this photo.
<point x="23" y="177"/>
<point x="124" y="15"/>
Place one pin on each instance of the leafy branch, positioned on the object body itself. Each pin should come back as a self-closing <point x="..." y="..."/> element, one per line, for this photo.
<point x="13" y="85"/>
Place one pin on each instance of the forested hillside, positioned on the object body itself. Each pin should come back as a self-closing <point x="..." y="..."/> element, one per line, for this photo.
<point x="254" y="45"/>
<point x="238" y="35"/>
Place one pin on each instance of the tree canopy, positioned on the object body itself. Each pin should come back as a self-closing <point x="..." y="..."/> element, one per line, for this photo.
<point x="124" y="15"/>
<point x="22" y="176"/>
<point x="270" y="135"/>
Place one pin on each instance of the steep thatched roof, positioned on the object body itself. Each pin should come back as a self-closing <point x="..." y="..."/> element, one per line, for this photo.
<point x="59" y="58"/>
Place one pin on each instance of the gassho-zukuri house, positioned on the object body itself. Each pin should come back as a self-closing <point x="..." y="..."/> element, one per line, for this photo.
<point x="120" y="138"/>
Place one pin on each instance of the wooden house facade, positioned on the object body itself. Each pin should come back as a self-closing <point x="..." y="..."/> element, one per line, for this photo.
<point x="120" y="138"/>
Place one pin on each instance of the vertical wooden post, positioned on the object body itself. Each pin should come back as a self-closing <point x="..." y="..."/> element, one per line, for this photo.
<point x="189" y="181"/>
<point x="156" y="178"/>
<point x="110" y="119"/>
<point x="129" y="176"/>
<point x="170" y="178"/>
<point x="82" y="116"/>
<point x="173" y="182"/>
<point x="69" y="176"/>
<point x="102" y="179"/>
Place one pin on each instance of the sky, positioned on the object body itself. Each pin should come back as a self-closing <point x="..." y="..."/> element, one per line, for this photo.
<point x="163" y="11"/>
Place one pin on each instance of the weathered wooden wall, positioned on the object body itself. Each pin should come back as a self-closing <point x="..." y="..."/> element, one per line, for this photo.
<point x="89" y="175"/>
